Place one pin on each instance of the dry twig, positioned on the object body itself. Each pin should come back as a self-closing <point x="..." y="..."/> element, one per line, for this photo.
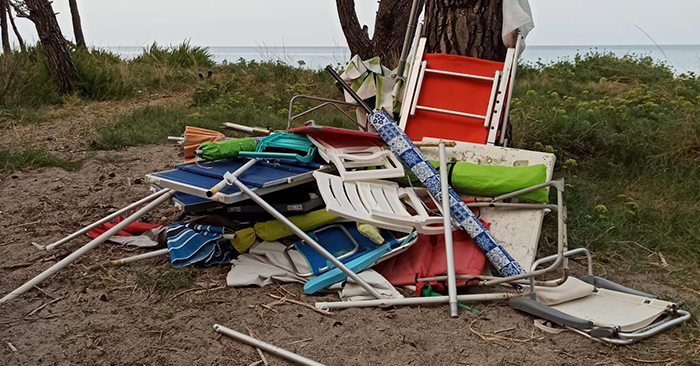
<point x="324" y="312"/>
<point x="43" y="306"/>
<point x="262" y="356"/>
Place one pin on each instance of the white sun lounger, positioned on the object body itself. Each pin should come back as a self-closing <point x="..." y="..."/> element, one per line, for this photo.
<point x="380" y="203"/>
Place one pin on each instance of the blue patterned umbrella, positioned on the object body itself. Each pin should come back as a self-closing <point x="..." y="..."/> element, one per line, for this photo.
<point x="404" y="148"/>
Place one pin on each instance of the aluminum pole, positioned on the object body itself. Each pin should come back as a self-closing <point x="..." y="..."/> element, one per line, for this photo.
<point x="413" y="301"/>
<point x="105" y="219"/>
<point x="85" y="248"/>
<point x="447" y="223"/>
<point x="155" y="253"/>
<point x="265" y="346"/>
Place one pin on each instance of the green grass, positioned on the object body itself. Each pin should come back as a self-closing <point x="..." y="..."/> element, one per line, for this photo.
<point x="101" y="75"/>
<point x="248" y="93"/>
<point x="626" y="133"/>
<point x="33" y="157"/>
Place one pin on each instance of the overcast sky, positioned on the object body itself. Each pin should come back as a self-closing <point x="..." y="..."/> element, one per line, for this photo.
<point x="315" y="22"/>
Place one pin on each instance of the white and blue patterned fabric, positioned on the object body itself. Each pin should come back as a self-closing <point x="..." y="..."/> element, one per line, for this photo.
<point x="197" y="244"/>
<point x="402" y="146"/>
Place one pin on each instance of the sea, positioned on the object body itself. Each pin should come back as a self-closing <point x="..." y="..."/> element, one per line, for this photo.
<point x="681" y="58"/>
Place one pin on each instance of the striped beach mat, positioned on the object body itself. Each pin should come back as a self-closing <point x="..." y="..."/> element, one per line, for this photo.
<point x="197" y="244"/>
<point x="404" y="148"/>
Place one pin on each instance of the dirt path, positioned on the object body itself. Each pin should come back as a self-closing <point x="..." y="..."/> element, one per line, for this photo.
<point x="131" y="315"/>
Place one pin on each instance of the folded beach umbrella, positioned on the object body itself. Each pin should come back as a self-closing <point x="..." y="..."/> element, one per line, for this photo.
<point x="195" y="136"/>
<point x="197" y="244"/>
<point x="225" y="149"/>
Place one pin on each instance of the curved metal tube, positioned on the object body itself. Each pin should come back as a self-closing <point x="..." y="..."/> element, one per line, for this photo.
<point x="331" y="102"/>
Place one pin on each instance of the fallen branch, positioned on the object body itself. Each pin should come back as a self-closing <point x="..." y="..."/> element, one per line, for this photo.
<point x="324" y="312"/>
<point x="18" y="265"/>
<point x="495" y="337"/>
<point x="11" y="347"/>
<point x="42" y="306"/>
<point x="262" y="356"/>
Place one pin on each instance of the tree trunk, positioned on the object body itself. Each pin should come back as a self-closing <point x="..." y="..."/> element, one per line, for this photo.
<point x="59" y="58"/>
<point x="14" y="28"/>
<point x="465" y="27"/>
<point x="4" y="33"/>
<point x="389" y="30"/>
<point x="77" y="25"/>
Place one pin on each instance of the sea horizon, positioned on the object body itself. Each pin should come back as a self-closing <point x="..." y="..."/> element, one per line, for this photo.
<point x="682" y="58"/>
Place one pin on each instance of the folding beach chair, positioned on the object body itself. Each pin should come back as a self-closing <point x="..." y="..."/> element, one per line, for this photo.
<point x="458" y="98"/>
<point x="598" y="308"/>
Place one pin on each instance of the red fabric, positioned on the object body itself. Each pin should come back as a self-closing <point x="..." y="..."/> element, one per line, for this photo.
<point x="456" y="94"/>
<point x="340" y="137"/>
<point x="426" y="258"/>
<point x="135" y="228"/>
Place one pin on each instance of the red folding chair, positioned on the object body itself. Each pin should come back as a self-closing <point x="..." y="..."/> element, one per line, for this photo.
<point x="458" y="98"/>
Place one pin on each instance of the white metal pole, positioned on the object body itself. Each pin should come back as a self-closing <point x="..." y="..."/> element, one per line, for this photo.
<point x="105" y="219"/>
<point x="449" y="250"/>
<point x="265" y="346"/>
<point x="155" y="253"/>
<point x="85" y="248"/>
<point x="413" y="301"/>
<point x="228" y="177"/>
<point x="301" y="234"/>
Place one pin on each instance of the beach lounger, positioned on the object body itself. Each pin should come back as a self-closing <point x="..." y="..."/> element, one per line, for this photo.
<point x="457" y="97"/>
<point x="600" y="309"/>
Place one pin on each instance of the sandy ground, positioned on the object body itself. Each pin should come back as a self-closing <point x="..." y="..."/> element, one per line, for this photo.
<point x="94" y="314"/>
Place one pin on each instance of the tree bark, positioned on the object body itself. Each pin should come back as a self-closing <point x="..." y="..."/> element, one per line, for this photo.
<point x="58" y="56"/>
<point x="77" y="25"/>
<point x="22" y="47"/>
<point x="389" y="30"/>
<point x="465" y="27"/>
<point x="4" y="33"/>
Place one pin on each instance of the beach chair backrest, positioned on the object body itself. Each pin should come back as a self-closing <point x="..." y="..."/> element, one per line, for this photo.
<point x="457" y="97"/>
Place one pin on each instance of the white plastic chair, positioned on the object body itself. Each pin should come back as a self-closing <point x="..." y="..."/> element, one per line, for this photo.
<point x="380" y="203"/>
<point x="384" y="162"/>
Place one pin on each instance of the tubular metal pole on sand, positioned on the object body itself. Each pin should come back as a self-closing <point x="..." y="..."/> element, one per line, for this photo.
<point x="449" y="252"/>
<point x="105" y="219"/>
<point x="84" y="249"/>
<point x="305" y="237"/>
<point x="265" y="346"/>
<point x="413" y="301"/>
<point x="155" y="253"/>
